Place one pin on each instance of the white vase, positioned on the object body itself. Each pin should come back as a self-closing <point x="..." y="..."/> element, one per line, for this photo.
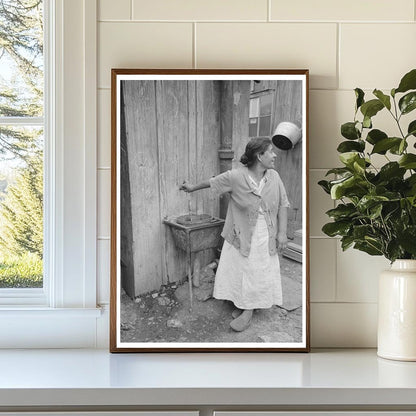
<point x="397" y="312"/>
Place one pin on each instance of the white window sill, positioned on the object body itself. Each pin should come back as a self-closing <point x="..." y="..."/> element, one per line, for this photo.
<point x="40" y="327"/>
<point x="38" y="311"/>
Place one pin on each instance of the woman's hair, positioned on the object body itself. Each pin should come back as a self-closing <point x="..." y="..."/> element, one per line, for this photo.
<point x="256" y="146"/>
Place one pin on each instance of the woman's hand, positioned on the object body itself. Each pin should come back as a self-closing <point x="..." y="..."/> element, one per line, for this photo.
<point x="187" y="187"/>
<point x="281" y="242"/>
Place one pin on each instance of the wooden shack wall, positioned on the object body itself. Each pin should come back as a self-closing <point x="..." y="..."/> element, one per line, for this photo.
<point x="172" y="134"/>
<point x="287" y="106"/>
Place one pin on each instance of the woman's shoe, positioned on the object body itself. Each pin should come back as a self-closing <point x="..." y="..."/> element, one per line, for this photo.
<point x="236" y="313"/>
<point x="243" y="321"/>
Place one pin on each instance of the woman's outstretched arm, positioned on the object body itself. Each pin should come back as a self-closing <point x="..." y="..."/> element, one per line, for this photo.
<point x="188" y="187"/>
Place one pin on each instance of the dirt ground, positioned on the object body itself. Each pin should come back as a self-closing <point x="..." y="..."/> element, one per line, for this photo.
<point x="165" y="315"/>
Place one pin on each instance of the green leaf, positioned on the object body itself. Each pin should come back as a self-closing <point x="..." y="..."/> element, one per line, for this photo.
<point x="361" y="231"/>
<point x="346" y="242"/>
<point x="407" y="239"/>
<point x="368" y="248"/>
<point x="371" y="108"/>
<point x="359" y="94"/>
<point x="359" y="166"/>
<point x="408" y="161"/>
<point x="408" y="82"/>
<point x="367" y="122"/>
<point x="349" y="131"/>
<point x="375" y="136"/>
<point x="349" y="146"/>
<point x="386" y="144"/>
<point x="342" y="211"/>
<point x="333" y="229"/>
<point x="348" y="158"/>
<point x="411" y="130"/>
<point x="385" y="99"/>
<point x="398" y="149"/>
<point x="375" y="212"/>
<point x="369" y="201"/>
<point x="402" y="147"/>
<point x="347" y="187"/>
<point x="338" y="171"/>
<point x="325" y="186"/>
<point x="408" y="102"/>
<point x="393" y="250"/>
<point x="391" y="170"/>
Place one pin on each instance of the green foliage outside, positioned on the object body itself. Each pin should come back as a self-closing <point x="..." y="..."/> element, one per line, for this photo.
<point x="21" y="271"/>
<point x="376" y="210"/>
<point x="21" y="214"/>
<point x="21" y="147"/>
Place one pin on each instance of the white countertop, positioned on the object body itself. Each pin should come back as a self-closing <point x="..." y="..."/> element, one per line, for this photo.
<point x="96" y="377"/>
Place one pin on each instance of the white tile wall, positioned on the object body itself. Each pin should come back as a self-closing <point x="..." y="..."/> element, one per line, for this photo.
<point x="357" y="275"/>
<point x="103" y="271"/>
<point x="104" y="128"/>
<point x="323" y="269"/>
<point x="338" y="325"/>
<point x="104" y="202"/>
<point x="370" y="10"/>
<point x="345" y="44"/>
<point x="200" y="10"/>
<point x="319" y="203"/>
<point x="142" y="45"/>
<point x="114" y="10"/>
<point x="271" y="45"/>
<point x="386" y="53"/>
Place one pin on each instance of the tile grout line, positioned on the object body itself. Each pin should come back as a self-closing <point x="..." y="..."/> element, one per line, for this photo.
<point x="269" y="11"/>
<point x="194" y="62"/>
<point x="355" y="302"/>
<point x="338" y="63"/>
<point x="306" y="22"/>
<point x="336" y="272"/>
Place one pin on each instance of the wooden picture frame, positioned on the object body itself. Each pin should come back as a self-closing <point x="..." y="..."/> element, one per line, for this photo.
<point x="171" y="126"/>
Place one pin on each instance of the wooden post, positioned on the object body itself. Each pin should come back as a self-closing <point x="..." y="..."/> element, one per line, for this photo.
<point x="234" y="101"/>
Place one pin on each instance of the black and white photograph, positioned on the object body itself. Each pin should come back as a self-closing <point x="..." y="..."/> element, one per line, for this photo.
<point x="209" y="231"/>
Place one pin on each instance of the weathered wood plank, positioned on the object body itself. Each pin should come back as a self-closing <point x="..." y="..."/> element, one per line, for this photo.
<point x="208" y="140"/>
<point x="288" y="107"/>
<point x="208" y="143"/>
<point x="141" y="136"/>
<point x="126" y="231"/>
<point x="241" y="104"/>
<point x="173" y="150"/>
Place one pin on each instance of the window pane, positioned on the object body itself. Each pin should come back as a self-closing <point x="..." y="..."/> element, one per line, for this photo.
<point x="264" y="126"/>
<point x="252" y="128"/>
<point x="21" y="207"/>
<point x="21" y="58"/>
<point x="254" y="107"/>
<point x="265" y="104"/>
<point x="21" y="146"/>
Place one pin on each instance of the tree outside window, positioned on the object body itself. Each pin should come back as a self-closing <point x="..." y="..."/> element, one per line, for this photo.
<point x="21" y="143"/>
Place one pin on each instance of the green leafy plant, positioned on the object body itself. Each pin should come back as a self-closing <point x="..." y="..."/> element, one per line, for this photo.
<point x="376" y="212"/>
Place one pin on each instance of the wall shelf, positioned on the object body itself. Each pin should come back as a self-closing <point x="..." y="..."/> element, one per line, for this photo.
<point x="95" y="379"/>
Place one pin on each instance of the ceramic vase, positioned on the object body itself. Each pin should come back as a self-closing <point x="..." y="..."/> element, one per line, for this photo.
<point x="397" y="312"/>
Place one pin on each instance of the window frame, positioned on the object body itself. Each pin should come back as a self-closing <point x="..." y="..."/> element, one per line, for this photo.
<point x="258" y="95"/>
<point x="38" y="296"/>
<point x="71" y="211"/>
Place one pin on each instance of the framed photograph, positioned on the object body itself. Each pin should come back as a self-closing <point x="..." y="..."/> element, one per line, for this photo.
<point x="209" y="211"/>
